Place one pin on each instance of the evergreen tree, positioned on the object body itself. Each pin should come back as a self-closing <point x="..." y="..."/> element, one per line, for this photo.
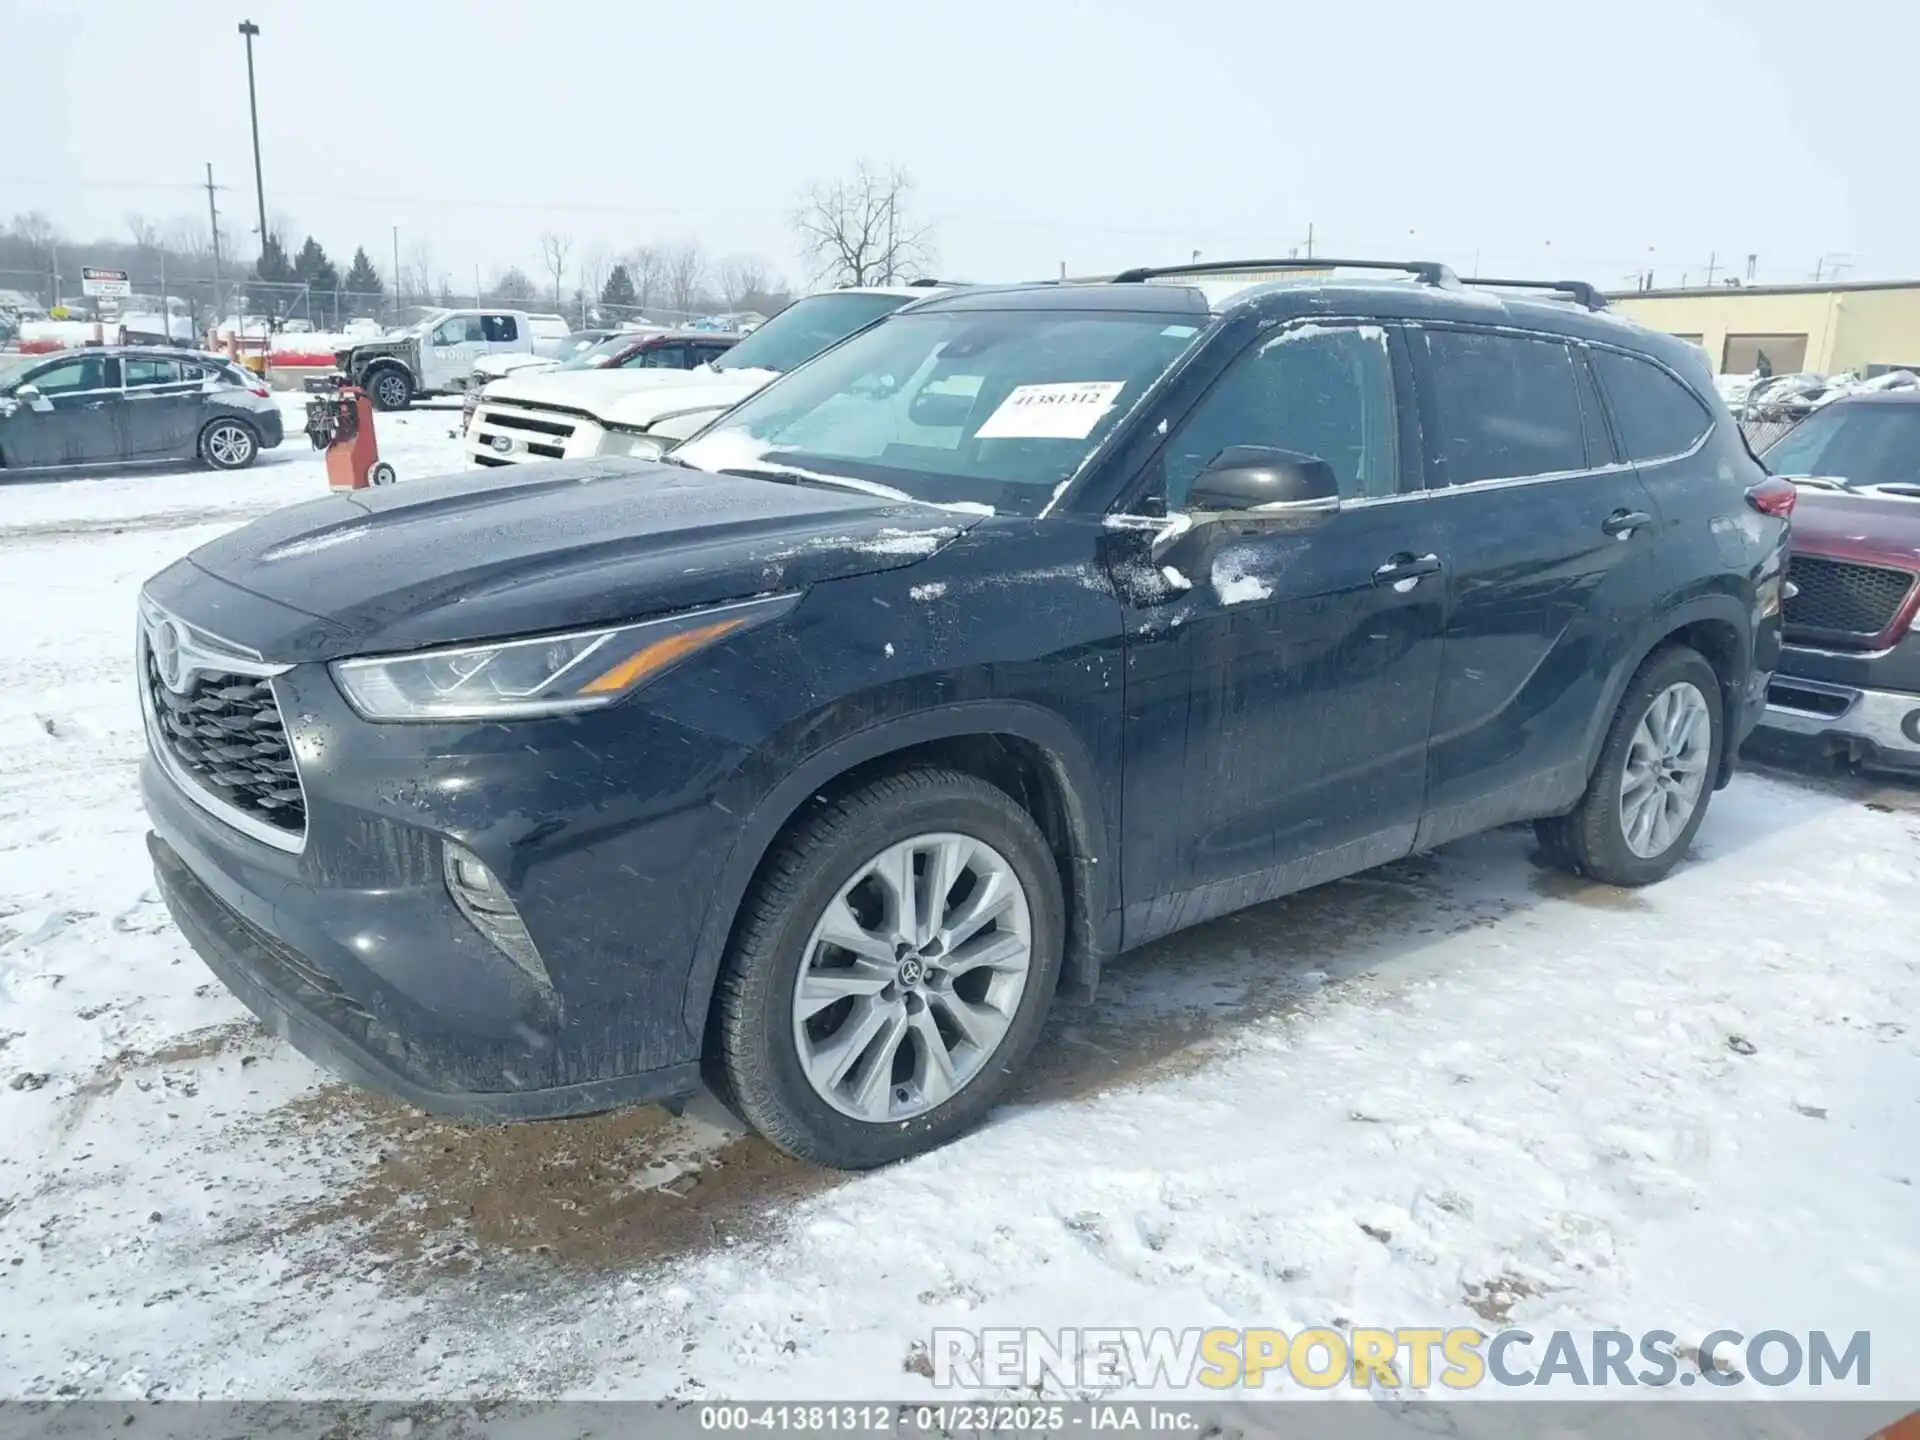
<point x="275" y="272"/>
<point x="618" y="295"/>
<point x="362" y="285"/>
<point x="313" y="266"/>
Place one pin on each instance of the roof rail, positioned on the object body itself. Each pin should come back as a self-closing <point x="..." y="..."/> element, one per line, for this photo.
<point x="1577" y="290"/>
<point x="1429" y="272"/>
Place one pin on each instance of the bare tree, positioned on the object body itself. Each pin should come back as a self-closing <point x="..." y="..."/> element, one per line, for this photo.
<point x="416" y="273"/>
<point x="593" y="272"/>
<point x="743" y="278"/>
<point x="683" y="271"/>
<point x="859" y="230"/>
<point x="512" y="286"/>
<point x="37" y="230"/>
<point x="554" y="250"/>
<point x="643" y="267"/>
<point x="145" y="233"/>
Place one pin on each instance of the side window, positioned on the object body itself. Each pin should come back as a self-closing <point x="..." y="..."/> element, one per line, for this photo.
<point x="1324" y="392"/>
<point x="1656" y="414"/>
<point x="460" y="330"/>
<point x="146" y="371"/>
<point x="88" y="372"/>
<point x="1504" y="406"/>
<point x="1593" y="415"/>
<point x="666" y="357"/>
<point x="499" y="329"/>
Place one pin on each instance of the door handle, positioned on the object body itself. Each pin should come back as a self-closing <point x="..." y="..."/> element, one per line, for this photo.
<point x="1622" y="523"/>
<point x="1404" y="571"/>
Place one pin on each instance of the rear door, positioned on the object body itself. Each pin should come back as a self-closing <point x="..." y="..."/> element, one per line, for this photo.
<point x="75" y="422"/>
<point x="500" y="334"/>
<point x="161" y="411"/>
<point x="1550" y="537"/>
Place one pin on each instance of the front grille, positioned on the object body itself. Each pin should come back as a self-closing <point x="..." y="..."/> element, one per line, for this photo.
<point x="225" y="734"/>
<point x="507" y="420"/>
<point x="1843" y="596"/>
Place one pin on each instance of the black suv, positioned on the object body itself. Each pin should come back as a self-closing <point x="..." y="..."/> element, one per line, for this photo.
<point x="1015" y="631"/>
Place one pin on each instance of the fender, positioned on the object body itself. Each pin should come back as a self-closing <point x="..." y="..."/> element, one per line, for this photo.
<point x="1714" y="605"/>
<point x="1094" y="931"/>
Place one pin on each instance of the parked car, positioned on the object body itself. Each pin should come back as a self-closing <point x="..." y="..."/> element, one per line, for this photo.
<point x="550" y="334"/>
<point x="435" y="356"/>
<point x="622" y="350"/>
<point x="1022" y="628"/>
<point x="554" y="416"/>
<point x="98" y="406"/>
<point x="1849" y="676"/>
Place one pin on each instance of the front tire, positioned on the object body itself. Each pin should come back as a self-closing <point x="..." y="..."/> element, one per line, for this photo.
<point x="1655" y="776"/>
<point x="390" y="388"/>
<point x="890" y="970"/>
<point x="229" y="445"/>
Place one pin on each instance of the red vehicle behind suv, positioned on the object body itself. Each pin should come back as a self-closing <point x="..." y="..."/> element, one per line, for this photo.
<point x="1850" y="672"/>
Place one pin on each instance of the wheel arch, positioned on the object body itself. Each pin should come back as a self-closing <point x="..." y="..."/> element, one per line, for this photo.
<point x="1721" y="629"/>
<point x="213" y="422"/>
<point x="1029" y="752"/>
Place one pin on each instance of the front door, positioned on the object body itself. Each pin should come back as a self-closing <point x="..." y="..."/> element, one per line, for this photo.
<point x="1550" y="540"/>
<point x="161" y="410"/>
<point x="451" y="349"/>
<point x="1281" y="681"/>
<point x="76" y="421"/>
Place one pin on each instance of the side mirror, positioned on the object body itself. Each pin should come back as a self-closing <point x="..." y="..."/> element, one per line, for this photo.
<point x="30" y="396"/>
<point x="1261" y="480"/>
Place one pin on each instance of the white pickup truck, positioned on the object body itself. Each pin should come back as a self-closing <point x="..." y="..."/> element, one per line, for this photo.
<point x="570" y="414"/>
<point x="435" y="356"/>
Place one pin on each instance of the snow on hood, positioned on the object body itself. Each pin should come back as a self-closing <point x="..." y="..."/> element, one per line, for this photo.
<point x="511" y="364"/>
<point x="633" y="398"/>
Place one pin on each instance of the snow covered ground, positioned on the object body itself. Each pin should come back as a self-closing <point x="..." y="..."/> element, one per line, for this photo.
<point x="1462" y="1090"/>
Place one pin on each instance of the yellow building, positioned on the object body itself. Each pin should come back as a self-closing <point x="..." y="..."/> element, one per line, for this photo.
<point x="1827" y="329"/>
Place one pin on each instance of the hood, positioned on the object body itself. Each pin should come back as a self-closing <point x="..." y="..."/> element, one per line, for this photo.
<point x="522" y="549"/>
<point x="401" y="345"/>
<point x="1869" y="528"/>
<point x="507" y="364"/>
<point x="633" y="398"/>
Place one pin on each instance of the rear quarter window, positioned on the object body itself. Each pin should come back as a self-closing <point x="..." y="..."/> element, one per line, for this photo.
<point x="1656" y="415"/>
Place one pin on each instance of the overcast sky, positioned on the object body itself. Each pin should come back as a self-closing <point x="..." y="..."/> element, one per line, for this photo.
<point x="1591" y="139"/>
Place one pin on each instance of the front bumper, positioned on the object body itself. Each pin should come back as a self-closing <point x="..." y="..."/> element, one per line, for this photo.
<point x="1875" y="726"/>
<point x="352" y="947"/>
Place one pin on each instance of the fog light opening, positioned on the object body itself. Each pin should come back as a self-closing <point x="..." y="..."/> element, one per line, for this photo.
<point x="490" y="910"/>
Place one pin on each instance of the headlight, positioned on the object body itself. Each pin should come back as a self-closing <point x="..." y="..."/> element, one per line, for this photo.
<point x="547" y="675"/>
<point x="634" y="444"/>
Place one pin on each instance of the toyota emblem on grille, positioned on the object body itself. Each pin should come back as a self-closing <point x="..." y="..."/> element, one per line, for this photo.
<point x="501" y="443"/>
<point x="164" y="643"/>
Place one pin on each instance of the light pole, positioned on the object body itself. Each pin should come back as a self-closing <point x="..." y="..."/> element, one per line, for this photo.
<point x="249" y="29"/>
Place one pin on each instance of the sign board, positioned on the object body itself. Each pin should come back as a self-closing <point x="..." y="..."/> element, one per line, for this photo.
<point x="97" y="282"/>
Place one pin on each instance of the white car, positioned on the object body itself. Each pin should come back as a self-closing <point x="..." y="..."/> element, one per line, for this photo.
<point x="569" y="414"/>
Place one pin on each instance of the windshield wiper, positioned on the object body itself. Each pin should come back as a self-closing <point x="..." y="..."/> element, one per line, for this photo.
<point x="794" y="476"/>
<point x="1824" y="482"/>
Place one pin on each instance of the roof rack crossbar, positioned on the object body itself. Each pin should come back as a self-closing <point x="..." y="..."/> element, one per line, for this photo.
<point x="1578" y="290"/>
<point x="1429" y="272"/>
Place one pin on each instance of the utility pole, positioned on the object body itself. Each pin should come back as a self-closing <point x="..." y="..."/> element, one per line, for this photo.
<point x="213" y="227"/>
<point x="396" y="274"/>
<point x="249" y="30"/>
<point x="1309" y="240"/>
<point x="890" y="200"/>
<point x="1713" y="259"/>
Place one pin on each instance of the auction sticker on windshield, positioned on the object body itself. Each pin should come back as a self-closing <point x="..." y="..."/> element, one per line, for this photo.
<point x="1052" y="412"/>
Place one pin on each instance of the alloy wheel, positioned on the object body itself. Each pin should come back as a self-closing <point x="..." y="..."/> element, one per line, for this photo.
<point x="912" y="978"/>
<point x="392" y="391"/>
<point x="1666" y="770"/>
<point x="229" y="446"/>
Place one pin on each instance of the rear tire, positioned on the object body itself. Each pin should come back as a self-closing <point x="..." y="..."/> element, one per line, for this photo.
<point x="925" y="1035"/>
<point x="1654" y="779"/>
<point x="390" y="388"/>
<point x="229" y="444"/>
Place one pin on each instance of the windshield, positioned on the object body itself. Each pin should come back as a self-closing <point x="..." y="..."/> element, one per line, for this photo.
<point x="993" y="408"/>
<point x="805" y="328"/>
<point x="1863" y="443"/>
<point x="591" y="355"/>
<point x="12" y="367"/>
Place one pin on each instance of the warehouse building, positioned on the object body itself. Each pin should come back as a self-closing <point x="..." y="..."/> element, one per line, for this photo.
<point x="1863" y="327"/>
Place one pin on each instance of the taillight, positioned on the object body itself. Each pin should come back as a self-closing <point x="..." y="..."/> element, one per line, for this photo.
<point x="1773" y="496"/>
<point x="262" y="391"/>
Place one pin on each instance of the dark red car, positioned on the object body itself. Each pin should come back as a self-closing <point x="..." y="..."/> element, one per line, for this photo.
<point x="1850" y="672"/>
